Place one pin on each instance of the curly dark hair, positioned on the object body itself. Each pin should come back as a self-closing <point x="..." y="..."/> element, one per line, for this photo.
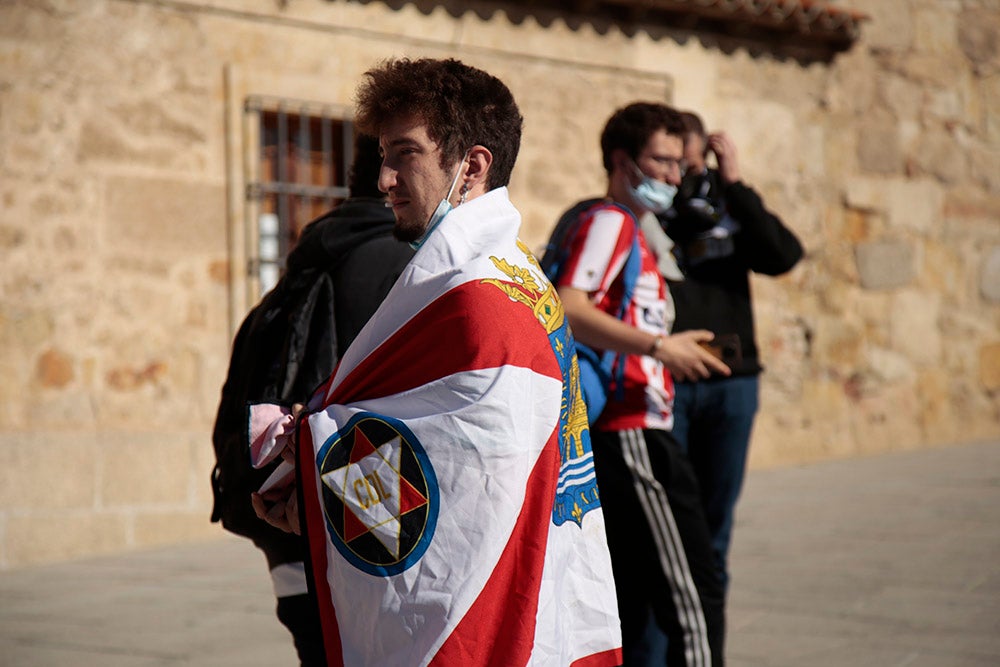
<point x="630" y="128"/>
<point x="693" y="124"/>
<point x="462" y="106"/>
<point x="363" y="178"/>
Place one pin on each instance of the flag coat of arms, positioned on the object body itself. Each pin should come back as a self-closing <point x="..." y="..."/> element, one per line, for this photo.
<point x="450" y="502"/>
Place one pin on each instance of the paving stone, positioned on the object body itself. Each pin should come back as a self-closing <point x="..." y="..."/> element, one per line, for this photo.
<point x="886" y="561"/>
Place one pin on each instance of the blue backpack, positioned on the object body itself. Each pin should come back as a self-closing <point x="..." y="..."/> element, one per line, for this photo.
<point x="597" y="371"/>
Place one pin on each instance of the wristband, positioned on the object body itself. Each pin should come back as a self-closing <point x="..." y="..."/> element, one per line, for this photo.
<point x="657" y="342"/>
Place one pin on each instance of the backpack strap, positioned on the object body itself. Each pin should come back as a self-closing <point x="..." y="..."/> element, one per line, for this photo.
<point x="553" y="259"/>
<point x="553" y="263"/>
<point x="630" y="276"/>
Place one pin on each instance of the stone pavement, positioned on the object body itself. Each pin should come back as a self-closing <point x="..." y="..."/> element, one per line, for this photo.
<point x="892" y="561"/>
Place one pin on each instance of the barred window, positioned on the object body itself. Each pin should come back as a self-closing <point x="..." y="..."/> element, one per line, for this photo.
<point x="300" y="171"/>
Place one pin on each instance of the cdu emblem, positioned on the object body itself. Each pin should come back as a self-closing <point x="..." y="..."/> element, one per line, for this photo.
<point x="380" y="494"/>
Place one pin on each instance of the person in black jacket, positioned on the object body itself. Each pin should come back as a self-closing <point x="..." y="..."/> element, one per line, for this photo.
<point x="338" y="274"/>
<point x="721" y="232"/>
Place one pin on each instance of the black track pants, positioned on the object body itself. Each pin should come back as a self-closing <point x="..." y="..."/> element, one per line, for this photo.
<point x="661" y="552"/>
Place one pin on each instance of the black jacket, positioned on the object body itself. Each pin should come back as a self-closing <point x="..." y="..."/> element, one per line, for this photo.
<point x="338" y="274"/>
<point x="354" y="243"/>
<point x="722" y="233"/>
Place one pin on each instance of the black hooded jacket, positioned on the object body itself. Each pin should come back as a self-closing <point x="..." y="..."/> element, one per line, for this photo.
<point x="354" y="243"/>
<point x="723" y="232"/>
<point x="338" y="274"/>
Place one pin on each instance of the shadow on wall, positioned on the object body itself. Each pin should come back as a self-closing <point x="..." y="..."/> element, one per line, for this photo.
<point x="804" y="32"/>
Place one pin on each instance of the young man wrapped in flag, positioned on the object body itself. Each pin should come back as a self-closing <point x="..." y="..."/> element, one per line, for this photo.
<point x="445" y="472"/>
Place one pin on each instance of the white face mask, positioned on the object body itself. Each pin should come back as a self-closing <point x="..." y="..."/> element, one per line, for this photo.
<point x="655" y="195"/>
<point x="443" y="209"/>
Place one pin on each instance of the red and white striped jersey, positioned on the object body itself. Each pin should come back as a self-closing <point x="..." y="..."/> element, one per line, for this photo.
<point x="597" y="254"/>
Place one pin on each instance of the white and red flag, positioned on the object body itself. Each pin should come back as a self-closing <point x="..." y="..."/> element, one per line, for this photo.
<point x="449" y="496"/>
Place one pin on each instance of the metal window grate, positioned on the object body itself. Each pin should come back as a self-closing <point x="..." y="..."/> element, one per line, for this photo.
<point x="297" y="170"/>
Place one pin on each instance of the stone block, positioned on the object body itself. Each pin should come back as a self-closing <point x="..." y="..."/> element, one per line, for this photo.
<point x="99" y="141"/>
<point x="47" y="470"/>
<point x="946" y="271"/>
<point x="158" y="528"/>
<point x="866" y="193"/>
<point x="855" y="89"/>
<point x="949" y="104"/>
<point x="838" y="341"/>
<point x="915" y="325"/>
<point x="910" y="132"/>
<point x="124" y="378"/>
<point x="42" y="537"/>
<point x="976" y="408"/>
<point x="887" y="419"/>
<point x="979" y="35"/>
<point x="784" y="342"/>
<point x="168" y="217"/>
<point x="761" y="150"/>
<point x="856" y="226"/>
<point x="989" y="87"/>
<point x="144" y="469"/>
<point x="989" y="276"/>
<point x="935" y="153"/>
<point x="11" y="237"/>
<point x="22" y="327"/>
<point x="149" y="119"/>
<point x="879" y="150"/>
<point x="989" y="366"/>
<point x="763" y="442"/>
<point x="886" y="264"/>
<point x="140" y="298"/>
<point x="840" y="149"/>
<point x="935" y="31"/>
<point x="937" y="416"/>
<point x="889" y="29"/>
<point x="915" y="205"/>
<point x="984" y="163"/>
<point x="48" y="204"/>
<point x="967" y="202"/>
<point x="889" y="365"/>
<point x="826" y="412"/>
<point x="54" y="369"/>
<point x="903" y="96"/>
<point x="931" y="70"/>
<point x="219" y="272"/>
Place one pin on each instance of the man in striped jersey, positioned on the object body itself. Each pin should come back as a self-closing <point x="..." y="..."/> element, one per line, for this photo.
<point x="657" y="532"/>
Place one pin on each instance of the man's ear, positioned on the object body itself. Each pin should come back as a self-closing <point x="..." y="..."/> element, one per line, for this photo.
<point x="621" y="161"/>
<point x="480" y="161"/>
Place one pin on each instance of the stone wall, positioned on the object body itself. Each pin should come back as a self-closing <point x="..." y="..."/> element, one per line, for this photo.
<point x="122" y="224"/>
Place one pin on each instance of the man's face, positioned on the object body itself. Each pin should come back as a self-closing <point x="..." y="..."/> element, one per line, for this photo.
<point x="694" y="151"/>
<point x="661" y="157"/>
<point x="411" y="175"/>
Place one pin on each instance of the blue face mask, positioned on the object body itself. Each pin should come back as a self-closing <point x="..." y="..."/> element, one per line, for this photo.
<point x="655" y="195"/>
<point x="443" y="209"/>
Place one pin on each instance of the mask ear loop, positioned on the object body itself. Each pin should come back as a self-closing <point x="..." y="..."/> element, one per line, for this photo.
<point x="465" y="186"/>
<point x="636" y="171"/>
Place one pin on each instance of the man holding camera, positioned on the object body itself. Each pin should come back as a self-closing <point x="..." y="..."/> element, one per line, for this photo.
<point x="721" y="232"/>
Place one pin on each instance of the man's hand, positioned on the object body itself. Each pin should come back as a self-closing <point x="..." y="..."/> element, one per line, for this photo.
<point x="288" y="453"/>
<point x="725" y="155"/>
<point x="686" y="359"/>
<point x="279" y="507"/>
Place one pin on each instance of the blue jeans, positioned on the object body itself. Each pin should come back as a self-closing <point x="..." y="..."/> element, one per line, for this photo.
<point x="712" y="424"/>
